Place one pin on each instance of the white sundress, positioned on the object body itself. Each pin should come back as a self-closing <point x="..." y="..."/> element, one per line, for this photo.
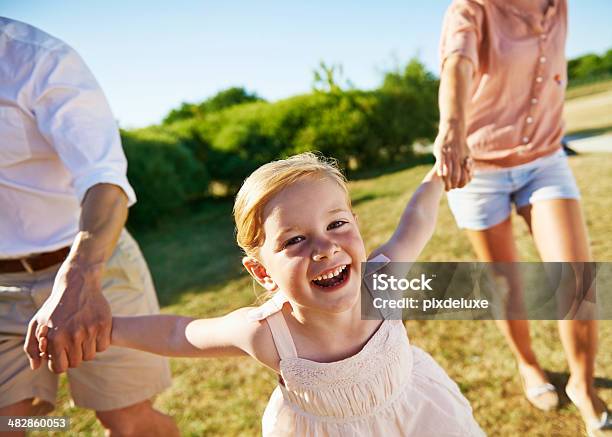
<point x="389" y="388"/>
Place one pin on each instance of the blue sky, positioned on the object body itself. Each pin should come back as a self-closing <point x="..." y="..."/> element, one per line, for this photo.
<point x="151" y="56"/>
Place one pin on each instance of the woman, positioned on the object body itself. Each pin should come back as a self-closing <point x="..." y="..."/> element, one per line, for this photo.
<point x="501" y="102"/>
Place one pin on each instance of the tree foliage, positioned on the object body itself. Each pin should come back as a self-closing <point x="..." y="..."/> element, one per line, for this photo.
<point x="589" y="67"/>
<point x="222" y="100"/>
<point x="226" y="137"/>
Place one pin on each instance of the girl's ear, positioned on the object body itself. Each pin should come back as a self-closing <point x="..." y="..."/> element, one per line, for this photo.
<point x="259" y="273"/>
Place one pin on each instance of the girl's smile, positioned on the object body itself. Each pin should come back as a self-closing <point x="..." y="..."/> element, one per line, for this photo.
<point x="333" y="279"/>
<point x="312" y="248"/>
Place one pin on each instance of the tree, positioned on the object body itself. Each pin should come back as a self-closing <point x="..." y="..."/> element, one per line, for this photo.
<point x="223" y="99"/>
<point x="229" y="97"/>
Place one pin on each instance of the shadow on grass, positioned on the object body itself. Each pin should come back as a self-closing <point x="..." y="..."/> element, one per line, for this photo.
<point x="357" y="199"/>
<point x="369" y="173"/>
<point x="192" y="251"/>
<point x="586" y="133"/>
<point x="559" y="380"/>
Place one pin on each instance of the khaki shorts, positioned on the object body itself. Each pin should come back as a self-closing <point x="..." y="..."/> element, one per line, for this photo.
<point x="117" y="377"/>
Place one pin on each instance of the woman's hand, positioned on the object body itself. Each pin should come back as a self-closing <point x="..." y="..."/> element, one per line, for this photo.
<point x="450" y="148"/>
<point x="453" y="161"/>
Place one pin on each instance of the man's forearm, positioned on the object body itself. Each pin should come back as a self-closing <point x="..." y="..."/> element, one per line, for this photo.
<point x="103" y="215"/>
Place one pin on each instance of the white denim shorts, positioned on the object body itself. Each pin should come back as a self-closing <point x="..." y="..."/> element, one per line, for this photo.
<point x="487" y="200"/>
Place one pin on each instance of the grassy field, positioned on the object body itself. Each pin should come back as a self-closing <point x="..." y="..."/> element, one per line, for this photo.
<point x="196" y="266"/>
<point x="588" y="108"/>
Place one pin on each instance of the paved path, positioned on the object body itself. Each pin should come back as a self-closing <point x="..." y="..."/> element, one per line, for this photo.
<point x="599" y="143"/>
<point x="596" y="144"/>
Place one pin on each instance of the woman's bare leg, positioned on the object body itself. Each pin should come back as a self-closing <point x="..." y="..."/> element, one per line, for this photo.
<point x="560" y="234"/>
<point x="496" y="244"/>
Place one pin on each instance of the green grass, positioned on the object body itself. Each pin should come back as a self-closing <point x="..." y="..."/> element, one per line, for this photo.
<point x="196" y="266"/>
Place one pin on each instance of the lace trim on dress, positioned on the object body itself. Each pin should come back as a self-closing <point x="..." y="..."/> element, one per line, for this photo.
<point x="384" y="347"/>
<point x="377" y="411"/>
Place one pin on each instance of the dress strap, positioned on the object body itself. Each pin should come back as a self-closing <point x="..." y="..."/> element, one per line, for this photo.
<point x="271" y="311"/>
<point x="271" y="306"/>
<point x="379" y="263"/>
<point x="282" y="336"/>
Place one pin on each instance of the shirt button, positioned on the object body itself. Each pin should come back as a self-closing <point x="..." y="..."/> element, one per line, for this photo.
<point x="525" y="140"/>
<point x="539" y="79"/>
<point x="542" y="59"/>
<point x="534" y="101"/>
<point x="529" y="120"/>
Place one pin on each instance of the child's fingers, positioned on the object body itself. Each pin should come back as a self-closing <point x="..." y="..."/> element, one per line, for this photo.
<point x="89" y="350"/>
<point x="438" y="167"/>
<point x="42" y="346"/>
<point x="444" y="167"/>
<point x="41" y="331"/>
<point x="450" y="175"/>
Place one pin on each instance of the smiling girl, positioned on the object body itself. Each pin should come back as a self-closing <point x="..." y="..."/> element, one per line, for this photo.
<point x="338" y="374"/>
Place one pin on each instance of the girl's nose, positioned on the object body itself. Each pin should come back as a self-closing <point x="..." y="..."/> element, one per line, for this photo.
<point x="325" y="250"/>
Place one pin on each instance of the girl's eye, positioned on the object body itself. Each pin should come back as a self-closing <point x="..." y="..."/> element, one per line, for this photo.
<point x="292" y="241"/>
<point x="336" y="224"/>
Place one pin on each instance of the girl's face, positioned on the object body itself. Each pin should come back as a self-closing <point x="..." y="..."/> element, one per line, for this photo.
<point x="313" y="249"/>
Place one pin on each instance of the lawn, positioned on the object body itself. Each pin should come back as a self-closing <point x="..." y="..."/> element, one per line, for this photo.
<point x="196" y="266"/>
<point x="588" y="108"/>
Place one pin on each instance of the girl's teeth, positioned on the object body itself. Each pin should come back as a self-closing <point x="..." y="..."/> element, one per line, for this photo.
<point x="331" y="275"/>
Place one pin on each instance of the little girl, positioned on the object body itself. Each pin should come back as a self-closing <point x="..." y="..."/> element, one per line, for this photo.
<point x="339" y="375"/>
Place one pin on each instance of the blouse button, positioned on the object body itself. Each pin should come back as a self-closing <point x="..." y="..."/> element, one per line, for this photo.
<point x="543" y="36"/>
<point x="525" y="140"/>
<point x="529" y="120"/>
<point x="542" y="59"/>
<point x="534" y="101"/>
<point x="539" y="79"/>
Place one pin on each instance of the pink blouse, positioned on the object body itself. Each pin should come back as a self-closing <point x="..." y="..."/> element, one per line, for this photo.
<point x="516" y="101"/>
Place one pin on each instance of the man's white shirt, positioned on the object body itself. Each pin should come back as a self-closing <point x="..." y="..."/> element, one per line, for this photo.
<point x="58" y="138"/>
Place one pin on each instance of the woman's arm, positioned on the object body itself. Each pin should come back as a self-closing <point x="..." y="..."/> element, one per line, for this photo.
<point x="417" y="223"/>
<point x="450" y="146"/>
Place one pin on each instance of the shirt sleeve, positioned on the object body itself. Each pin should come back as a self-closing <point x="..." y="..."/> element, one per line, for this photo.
<point x="72" y="113"/>
<point x="462" y="31"/>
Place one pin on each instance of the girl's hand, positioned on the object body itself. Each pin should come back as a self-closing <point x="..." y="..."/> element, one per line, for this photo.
<point x="453" y="160"/>
<point x="42" y="341"/>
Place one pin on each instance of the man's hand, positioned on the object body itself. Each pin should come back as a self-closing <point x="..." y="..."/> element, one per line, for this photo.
<point x="454" y="164"/>
<point x="75" y="321"/>
<point x="76" y="318"/>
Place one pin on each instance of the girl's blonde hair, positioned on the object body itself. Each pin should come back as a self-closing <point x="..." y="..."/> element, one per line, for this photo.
<point x="266" y="182"/>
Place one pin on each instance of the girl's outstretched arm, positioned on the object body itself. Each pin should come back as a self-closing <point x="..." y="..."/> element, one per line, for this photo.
<point x="417" y="223"/>
<point x="178" y="336"/>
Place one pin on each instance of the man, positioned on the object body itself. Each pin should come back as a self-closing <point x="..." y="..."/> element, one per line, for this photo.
<point x="65" y="261"/>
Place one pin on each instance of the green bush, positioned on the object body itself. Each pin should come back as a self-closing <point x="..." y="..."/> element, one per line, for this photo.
<point x="225" y="138"/>
<point x="163" y="172"/>
<point x="223" y="99"/>
<point x="589" y="67"/>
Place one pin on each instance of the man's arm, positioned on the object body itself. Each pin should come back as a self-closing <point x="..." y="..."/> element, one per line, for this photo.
<point x="77" y="313"/>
